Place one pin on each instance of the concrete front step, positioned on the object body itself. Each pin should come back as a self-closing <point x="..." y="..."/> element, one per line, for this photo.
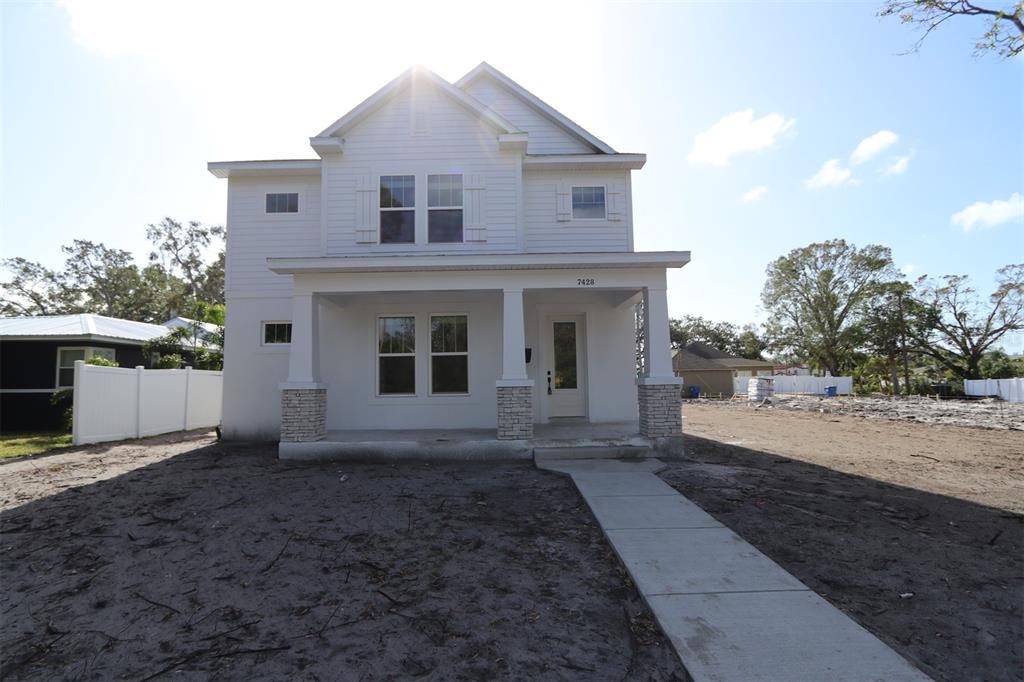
<point x="545" y="454"/>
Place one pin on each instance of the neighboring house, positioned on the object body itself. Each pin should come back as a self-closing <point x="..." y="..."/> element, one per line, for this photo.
<point x="712" y="370"/>
<point x="38" y="354"/>
<point x="792" y="370"/>
<point x="201" y="334"/>
<point x="457" y="256"/>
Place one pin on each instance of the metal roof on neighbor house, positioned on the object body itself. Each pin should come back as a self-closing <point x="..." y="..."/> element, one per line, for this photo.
<point x="78" y="326"/>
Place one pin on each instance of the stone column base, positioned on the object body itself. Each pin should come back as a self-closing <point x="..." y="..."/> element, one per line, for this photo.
<point x="303" y="414"/>
<point x="660" y="410"/>
<point x="515" y="412"/>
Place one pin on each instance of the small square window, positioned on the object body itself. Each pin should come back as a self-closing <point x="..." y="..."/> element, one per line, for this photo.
<point x="275" y="333"/>
<point x="588" y="203"/>
<point x="283" y="202"/>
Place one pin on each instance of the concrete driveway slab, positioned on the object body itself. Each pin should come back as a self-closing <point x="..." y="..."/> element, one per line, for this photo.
<point x="697" y="560"/>
<point x="622" y="512"/>
<point x="599" y="484"/>
<point x="795" y="636"/>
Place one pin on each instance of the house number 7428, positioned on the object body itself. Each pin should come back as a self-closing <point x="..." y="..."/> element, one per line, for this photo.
<point x="585" y="281"/>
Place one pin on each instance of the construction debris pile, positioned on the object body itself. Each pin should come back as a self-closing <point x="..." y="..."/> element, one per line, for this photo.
<point x="986" y="413"/>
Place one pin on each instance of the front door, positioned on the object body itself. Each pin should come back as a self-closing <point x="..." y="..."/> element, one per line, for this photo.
<point x="566" y="369"/>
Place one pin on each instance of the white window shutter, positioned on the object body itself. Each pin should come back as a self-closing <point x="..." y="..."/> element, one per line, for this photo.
<point x="616" y="201"/>
<point x="474" y="195"/>
<point x="366" y="210"/>
<point x="564" y="207"/>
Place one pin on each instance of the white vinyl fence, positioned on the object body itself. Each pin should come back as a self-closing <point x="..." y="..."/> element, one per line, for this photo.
<point x="798" y="384"/>
<point x="1011" y="390"/>
<point x="114" y="403"/>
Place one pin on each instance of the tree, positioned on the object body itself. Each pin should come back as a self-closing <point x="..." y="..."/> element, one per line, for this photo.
<point x="1005" y="34"/>
<point x="886" y="330"/>
<point x="180" y="248"/>
<point x="750" y="344"/>
<point x="32" y="290"/>
<point x="998" y="365"/>
<point x="817" y="295"/>
<point x="960" y="328"/>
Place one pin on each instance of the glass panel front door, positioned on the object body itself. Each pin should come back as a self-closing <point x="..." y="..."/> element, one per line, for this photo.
<point x="566" y="367"/>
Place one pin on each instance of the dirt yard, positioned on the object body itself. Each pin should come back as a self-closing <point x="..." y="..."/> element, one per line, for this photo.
<point x="144" y="559"/>
<point x="913" y="530"/>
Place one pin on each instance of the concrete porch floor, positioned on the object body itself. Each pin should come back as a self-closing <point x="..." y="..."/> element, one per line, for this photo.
<point x="466" y="444"/>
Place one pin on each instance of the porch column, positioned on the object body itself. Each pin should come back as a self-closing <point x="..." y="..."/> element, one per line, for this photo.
<point x="659" y="394"/>
<point x="303" y="397"/>
<point x="515" y="390"/>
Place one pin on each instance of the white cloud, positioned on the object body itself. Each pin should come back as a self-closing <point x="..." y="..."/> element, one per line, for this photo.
<point x="908" y="269"/>
<point x="831" y="174"/>
<point x="982" y="214"/>
<point x="873" y="145"/>
<point x="735" y="134"/>
<point x="755" y="194"/>
<point x="897" y="166"/>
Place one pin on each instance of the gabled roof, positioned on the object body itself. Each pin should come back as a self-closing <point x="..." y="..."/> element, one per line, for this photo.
<point x="701" y="356"/>
<point x="379" y="98"/>
<point x="79" y="326"/>
<point x="485" y="69"/>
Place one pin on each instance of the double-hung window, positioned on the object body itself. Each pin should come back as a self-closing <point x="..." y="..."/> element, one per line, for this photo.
<point x="588" y="203"/>
<point x="397" y="209"/>
<point x="444" y="208"/>
<point x="396" y="355"/>
<point x="449" y="354"/>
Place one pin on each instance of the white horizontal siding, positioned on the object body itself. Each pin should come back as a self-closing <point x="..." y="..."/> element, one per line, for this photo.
<point x="545" y="137"/>
<point x="254" y="235"/>
<point x="545" y="233"/>
<point x="455" y="141"/>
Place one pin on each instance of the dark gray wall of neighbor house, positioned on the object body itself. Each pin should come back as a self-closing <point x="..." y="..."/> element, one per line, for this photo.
<point x="33" y="364"/>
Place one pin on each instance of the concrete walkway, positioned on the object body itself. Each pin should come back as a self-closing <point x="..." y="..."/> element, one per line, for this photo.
<point x="732" y="613"/>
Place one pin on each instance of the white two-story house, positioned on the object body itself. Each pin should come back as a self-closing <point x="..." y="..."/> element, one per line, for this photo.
<point x="458" y="256"/>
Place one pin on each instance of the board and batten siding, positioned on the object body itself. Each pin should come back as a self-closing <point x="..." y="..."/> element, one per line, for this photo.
<point x="255" y="235"/>
<point x="419" y="132"/>
<point x="545" y="137"/>
<point x="547" y="230"/>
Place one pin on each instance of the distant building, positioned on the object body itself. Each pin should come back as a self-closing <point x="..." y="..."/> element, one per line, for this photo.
<point x="38" y="354"/>
<point x="712" y="370"/>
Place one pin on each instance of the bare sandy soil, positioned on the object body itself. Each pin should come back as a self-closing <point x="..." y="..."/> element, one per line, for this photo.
<point x="913" y="530"/>
<point x="186" y="557"/>
<point x="984" y="413"/>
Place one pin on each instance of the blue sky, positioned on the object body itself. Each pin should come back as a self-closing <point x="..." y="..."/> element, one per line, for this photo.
<point x="111" y="111"/>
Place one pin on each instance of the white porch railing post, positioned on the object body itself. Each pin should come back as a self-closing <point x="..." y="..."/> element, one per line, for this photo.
<point x="657" y="340"/>
<point x="76" y="401"/>
<point x="513" y="346"/>
<point x="303" y="356"/>
<point x="139" y="369"/>
<point x="514" y="389"/>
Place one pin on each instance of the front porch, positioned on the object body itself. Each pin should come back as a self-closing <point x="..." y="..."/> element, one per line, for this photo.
<point x="464" y="444"/>
<point x="475" y="362"/>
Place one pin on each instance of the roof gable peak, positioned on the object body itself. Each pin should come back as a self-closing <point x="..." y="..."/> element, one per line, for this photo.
<point x="483" y="69"/>
<point x="404" y="80"/>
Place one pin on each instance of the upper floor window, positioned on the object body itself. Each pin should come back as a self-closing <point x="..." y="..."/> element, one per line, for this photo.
<point x="588" y="203"/>
<point x="444" y="208"/>
<point x="397" y="209"/>
<point x="277" y="333"/>
<point x="287" y="202"/>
